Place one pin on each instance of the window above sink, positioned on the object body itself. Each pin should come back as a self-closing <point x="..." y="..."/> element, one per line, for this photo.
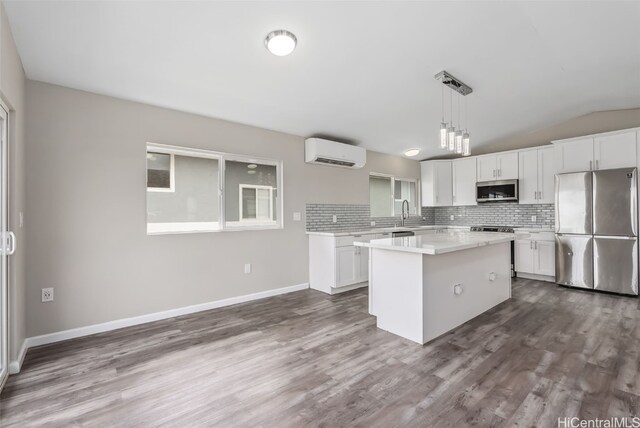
<point x="387" y="192"/>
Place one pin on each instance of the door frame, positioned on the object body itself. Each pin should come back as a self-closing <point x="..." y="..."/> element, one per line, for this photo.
<point x="4" y="249"/>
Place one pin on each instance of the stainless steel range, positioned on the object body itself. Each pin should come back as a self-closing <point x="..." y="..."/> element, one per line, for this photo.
<point x="501" y="229"/>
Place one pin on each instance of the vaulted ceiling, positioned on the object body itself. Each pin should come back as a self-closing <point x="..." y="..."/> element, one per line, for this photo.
<point x="362" y="71"/>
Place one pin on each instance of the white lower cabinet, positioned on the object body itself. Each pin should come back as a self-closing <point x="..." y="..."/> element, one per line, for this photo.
<point x="524" y="256"/>
<point x="336" y="264"/>
<point x="345" y="266"/>
<point x="535" y="256"/>
<point x="545" y="261"/>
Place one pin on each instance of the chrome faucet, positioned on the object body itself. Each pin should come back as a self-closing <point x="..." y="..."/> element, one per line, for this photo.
<point x="405" y="215"/>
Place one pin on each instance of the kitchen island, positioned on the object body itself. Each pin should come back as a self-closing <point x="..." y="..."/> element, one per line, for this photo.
<point x="420" y="287"/>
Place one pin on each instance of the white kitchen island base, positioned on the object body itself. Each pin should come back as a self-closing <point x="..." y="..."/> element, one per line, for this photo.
<point x="421" y="296"/>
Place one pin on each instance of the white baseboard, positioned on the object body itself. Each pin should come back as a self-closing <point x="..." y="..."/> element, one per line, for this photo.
<point x="142" y="319"/>
<point x="15" y="365"/>
<point x="536" y="276"/>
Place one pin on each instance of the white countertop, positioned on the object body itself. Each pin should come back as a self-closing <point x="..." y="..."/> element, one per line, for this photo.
<point x="375" y="230"/>
<point x="440" y="243"/>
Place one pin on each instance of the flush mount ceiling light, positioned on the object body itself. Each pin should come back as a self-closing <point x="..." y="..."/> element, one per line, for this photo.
<point x="252" y="166"/>
<point x="280" y="42"/>
<point x="411" y="152"/>
<point x="450" y="138"/>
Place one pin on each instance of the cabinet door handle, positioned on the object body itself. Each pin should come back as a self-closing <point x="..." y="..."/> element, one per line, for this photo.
<point x="531" y="245"/>
<point x="535" y="245"/>
<point x="596" y="163"/>
<point x="590" y="164"/>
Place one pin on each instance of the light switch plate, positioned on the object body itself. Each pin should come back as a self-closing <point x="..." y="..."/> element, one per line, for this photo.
<point x="451" y="217"/>
<point x="247" y="268"/>
<point x="373" y="223"/>
<point x="533" y="219"/>
<point x="297" y="216"/>
<point x="335" y="218"/>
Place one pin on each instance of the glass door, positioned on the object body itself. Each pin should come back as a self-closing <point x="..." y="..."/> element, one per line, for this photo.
<point x="7" y="248"/>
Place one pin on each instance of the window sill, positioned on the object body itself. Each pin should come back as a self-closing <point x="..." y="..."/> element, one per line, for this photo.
<point x="206" y="227"/>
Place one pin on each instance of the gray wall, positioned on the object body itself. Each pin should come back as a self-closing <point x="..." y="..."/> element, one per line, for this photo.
<point x="195" y="197"/>
<point x="12" y="83"/>
<point x="87" y="226"/>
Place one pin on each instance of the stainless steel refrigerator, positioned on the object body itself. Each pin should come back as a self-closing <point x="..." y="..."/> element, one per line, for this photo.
<point x="597" y="230"/>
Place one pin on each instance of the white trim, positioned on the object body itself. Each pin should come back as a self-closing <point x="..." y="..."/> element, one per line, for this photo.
<point x="16" y="365"/>
<point x="182" y="227"/>
<point x="156" y="316"/>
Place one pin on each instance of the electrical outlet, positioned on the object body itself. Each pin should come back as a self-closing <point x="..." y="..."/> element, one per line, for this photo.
<point x="247" y="268"/>
<point x="451" y="217"/>
<point x="297" y="216"/>
<point x="47" y="294"/>
<point x="335" y="218"/>
<point x="457" y="289"/>
<point x="533" y="219"/>
<point x="373" y="223"/>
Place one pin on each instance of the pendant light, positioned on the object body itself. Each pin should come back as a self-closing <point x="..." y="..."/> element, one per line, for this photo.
<point x="451" y="131"/>
<point x="466" y="142"/>
<point x="452" y="139"/>
<point x="443" y="124"/>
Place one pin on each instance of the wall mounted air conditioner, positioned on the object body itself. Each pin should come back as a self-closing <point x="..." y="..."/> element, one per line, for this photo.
<point x="332" y="153"/>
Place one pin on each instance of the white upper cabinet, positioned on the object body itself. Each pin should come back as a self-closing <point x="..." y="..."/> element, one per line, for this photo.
<point x="536" y="176"/>
<point x="502" y="166"/>
<point x="486" y="168"/>
<point x="437" y="185"/>
<point x="507" y="166"/>
<point x="614" y="150"/>
<point x="547" y="169"/>
<point x="575" y="155"/>
<point x="528" y="179"/>
<point x="605" y="151"/>
<point x="464" y="181"/>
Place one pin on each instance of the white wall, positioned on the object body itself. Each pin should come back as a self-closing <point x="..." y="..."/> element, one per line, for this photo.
<point x="86" y="206"/>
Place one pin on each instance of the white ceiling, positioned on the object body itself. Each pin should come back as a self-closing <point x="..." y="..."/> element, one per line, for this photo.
<point x="362" y="71"/>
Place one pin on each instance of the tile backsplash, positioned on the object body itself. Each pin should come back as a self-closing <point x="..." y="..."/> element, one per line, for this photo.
<point x="319" y="217"/>
<point x="490" y="214"/>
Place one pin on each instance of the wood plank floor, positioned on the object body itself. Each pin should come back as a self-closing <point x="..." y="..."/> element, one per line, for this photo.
<point x="308" y="359"/>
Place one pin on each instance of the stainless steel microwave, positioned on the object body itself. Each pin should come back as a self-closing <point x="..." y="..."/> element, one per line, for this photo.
<point x="497" y="191"/>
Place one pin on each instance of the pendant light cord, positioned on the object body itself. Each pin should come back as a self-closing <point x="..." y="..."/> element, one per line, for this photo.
<point x="466" y="114"/>
<point x="451" y="104"/>
<point x="459" y="112"/>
